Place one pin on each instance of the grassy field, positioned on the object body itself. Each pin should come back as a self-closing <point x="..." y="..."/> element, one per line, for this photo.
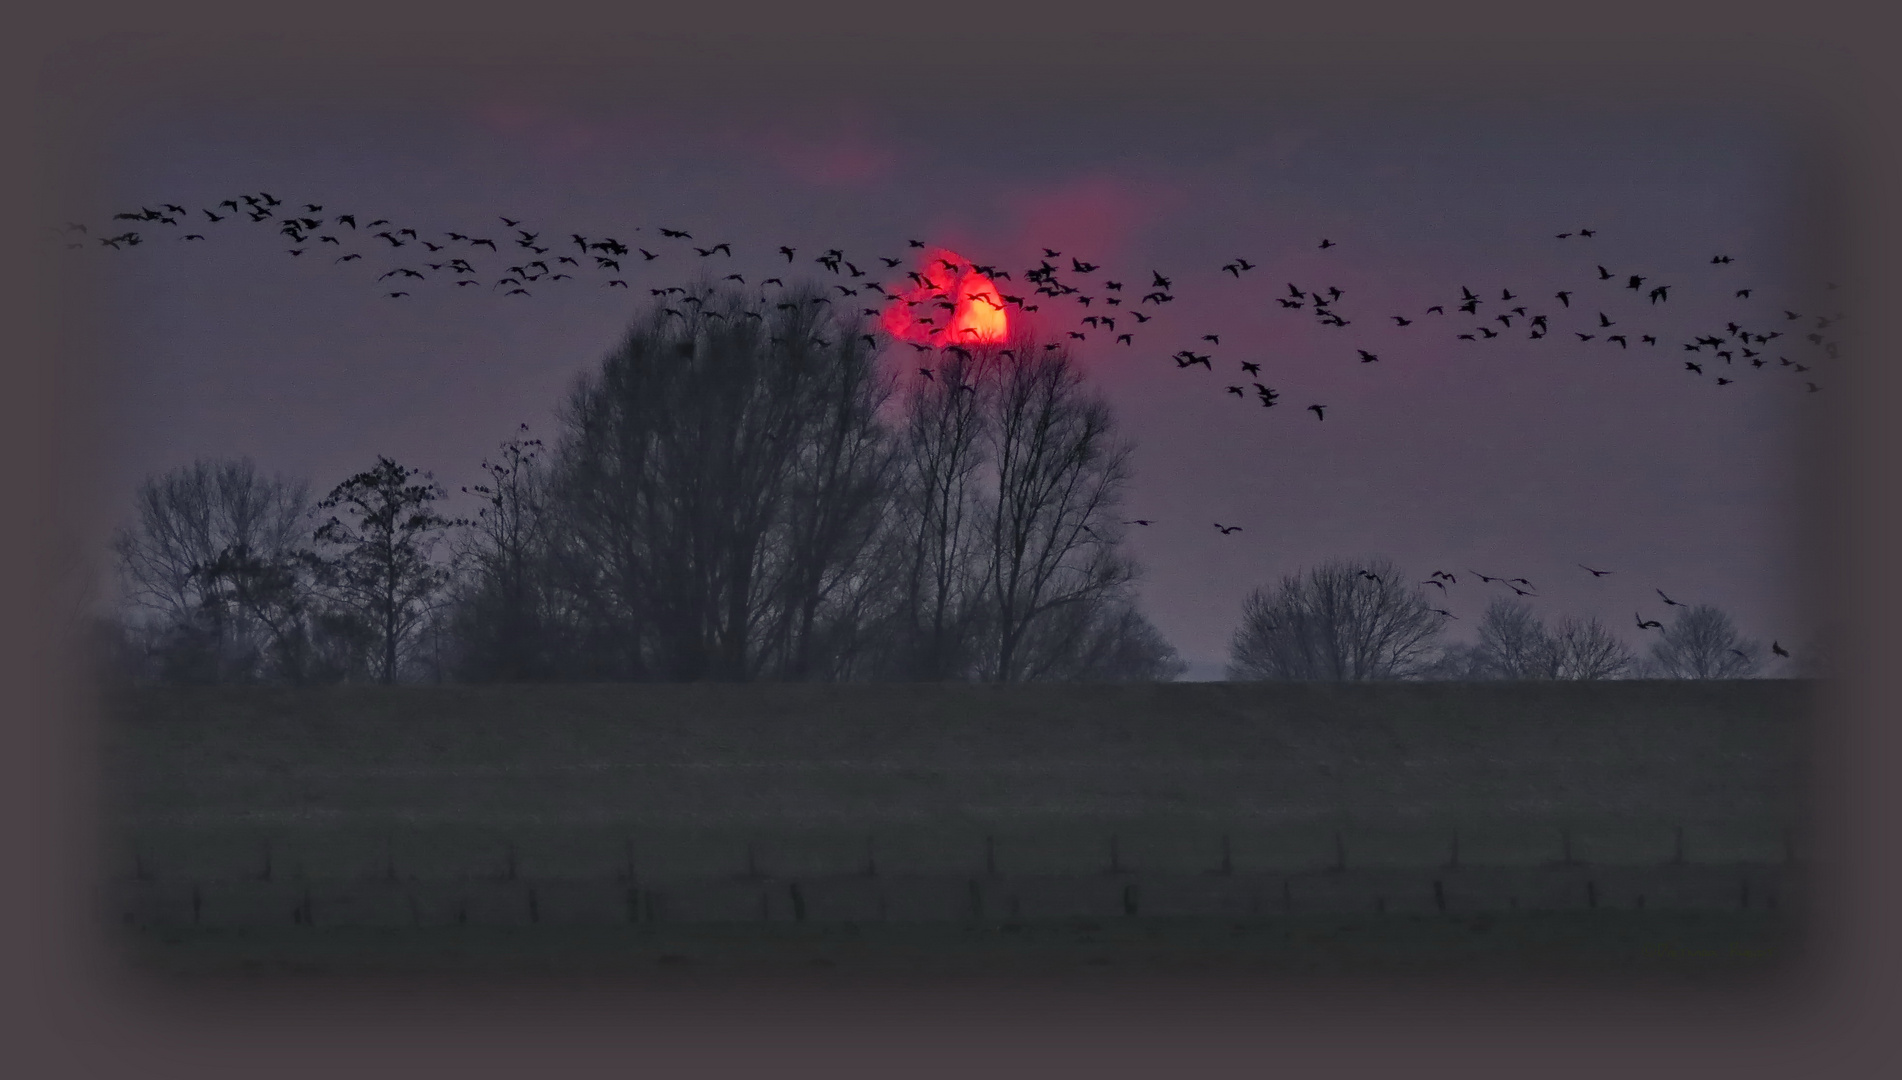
<point x="1721" y="946"/>
<point x="434" y="786"/>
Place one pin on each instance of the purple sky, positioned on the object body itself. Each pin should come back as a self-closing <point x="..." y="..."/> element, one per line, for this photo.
<point x="1508" y="456"/>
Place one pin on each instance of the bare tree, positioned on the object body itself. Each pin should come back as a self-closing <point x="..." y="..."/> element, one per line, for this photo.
<point x="216" y="560"/>
<point x="381" y="568"/>
<point x="1342" y="621"/>
<point x="500" y="608"/>
<point x="715" y="484"/>
<point x="1514" y="644"/>
<point x="935" y="505"/>
<point x="1586" y="649"/>
<point x="1106" y="639"/>
<point x="1059" y="473"/>
<point x="1702" y="643"/>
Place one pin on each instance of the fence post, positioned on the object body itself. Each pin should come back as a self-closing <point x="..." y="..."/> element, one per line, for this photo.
<point x="798" y="901"/>
<point x="1129" y="899"/>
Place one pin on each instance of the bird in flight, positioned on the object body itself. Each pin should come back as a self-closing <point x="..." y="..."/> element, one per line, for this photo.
<point x="1647" y="624"/>
<point x="1326" y="243"/>
<point x="1316" y="410"/>
<point x="1367" y="357"/>
<point x="1226" y="529"/>
<point x="1594" y="573"/>
<point x="1779" y="649"/>
<point x="1139" y="521"/>
<point x="1564" y="297"/>
<point x="1668" y="600"/>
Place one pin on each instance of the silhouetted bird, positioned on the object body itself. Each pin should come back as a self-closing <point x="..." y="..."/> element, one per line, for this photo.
<point x="1226" y="529"/>
<point x="1647" y="624"/>
<point x="1778" y="649"/>
<point x="1667" y="599"/>
<point x="1326" y="243"/>
<point x="1317" y="411"/>
<point x="1367" y="357"/>
<point x="1594" y="573"/>
<point x="1564" y="298"/>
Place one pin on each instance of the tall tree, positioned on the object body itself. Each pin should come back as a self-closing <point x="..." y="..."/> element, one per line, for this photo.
<point x="1341" y="621"/>
<point x="380" y="566"/>
<point x="1059" y="472"/>
<point x="500" y="620"/>
<point x="1702" y="643"/>
<point x="715" y="483"/>
<point x="935" y="503"/>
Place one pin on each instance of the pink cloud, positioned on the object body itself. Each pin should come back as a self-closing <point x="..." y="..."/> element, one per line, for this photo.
<point x="845" y="159"/>
<point x="1098" y="217"/>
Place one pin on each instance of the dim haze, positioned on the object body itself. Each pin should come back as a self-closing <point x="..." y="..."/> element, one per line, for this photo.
<point x="1509" y="456"/>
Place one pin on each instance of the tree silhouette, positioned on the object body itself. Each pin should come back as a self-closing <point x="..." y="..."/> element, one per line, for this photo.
<point x="1051" y="520"/>
<point x="1587" y="649"/>
<point x="501" y="621"/>
<point x="1702" y="643"/>
<point x="216" y="559"/>
<point x="380" y="568"/>
<point x="1342" y="621"/>
<point x="715" y="487"/>
<point x="1513" y="643"/>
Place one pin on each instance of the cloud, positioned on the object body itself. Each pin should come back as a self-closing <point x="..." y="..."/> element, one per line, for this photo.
<point x="1098" y="217"/>
<point x="843" y="159"/>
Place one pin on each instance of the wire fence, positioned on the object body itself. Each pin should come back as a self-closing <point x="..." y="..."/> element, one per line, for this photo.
<point x="275" y="890"/>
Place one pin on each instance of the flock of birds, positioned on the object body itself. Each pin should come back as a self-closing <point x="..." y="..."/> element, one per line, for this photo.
<point x="543" y="260"/>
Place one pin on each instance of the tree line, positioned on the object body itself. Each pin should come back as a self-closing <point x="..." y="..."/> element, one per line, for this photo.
<point x="1347" y="620"/>
<point x="747" y="496"/>
<point x="732" y="496"/>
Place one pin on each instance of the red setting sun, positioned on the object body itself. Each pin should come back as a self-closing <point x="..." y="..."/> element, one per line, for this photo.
<point x="949" y="303"/>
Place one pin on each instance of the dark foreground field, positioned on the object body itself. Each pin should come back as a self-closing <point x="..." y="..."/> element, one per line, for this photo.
<point x="1296" y="827"/>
